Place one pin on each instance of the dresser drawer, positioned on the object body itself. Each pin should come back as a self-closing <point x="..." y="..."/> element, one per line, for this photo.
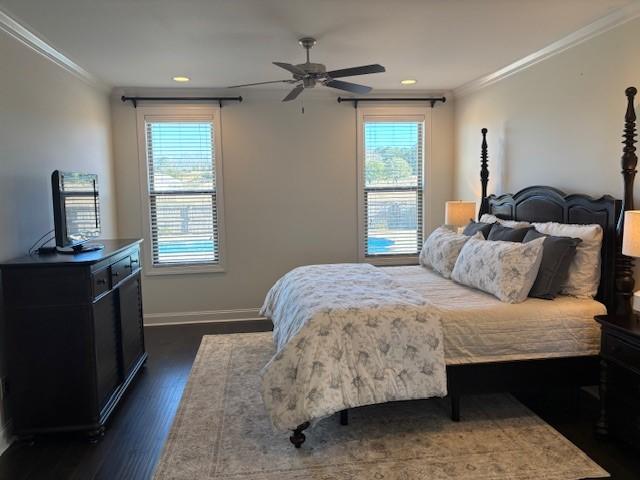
<point x="616" y="349"/>
<point x="100" y="282"/>
<point x="121" y="270"/>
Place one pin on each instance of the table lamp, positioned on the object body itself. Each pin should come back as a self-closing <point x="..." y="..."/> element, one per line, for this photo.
<point x="458" y="213"/>
<point x="631" y="234"/>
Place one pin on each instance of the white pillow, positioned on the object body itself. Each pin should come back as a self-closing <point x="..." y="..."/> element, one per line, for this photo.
<point x="441" y="250"/>
<point x="584" y="271"/>
<point x="507" y="270"/>
<point x="488" y="218"/>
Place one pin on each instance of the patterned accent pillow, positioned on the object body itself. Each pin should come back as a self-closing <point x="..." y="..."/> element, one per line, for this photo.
<point x="440" y="251"/>
<point x="506" y="270"/>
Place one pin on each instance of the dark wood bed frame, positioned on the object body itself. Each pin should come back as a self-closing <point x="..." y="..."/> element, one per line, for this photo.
<point x="547" y="204"/>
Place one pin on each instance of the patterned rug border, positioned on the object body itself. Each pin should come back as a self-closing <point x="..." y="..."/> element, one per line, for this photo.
<point x="200" y="464"/>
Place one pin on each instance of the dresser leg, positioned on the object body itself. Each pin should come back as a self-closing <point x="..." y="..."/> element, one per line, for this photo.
<point x="29" y="440"/>
<point x="602" y="425"/>
<point x="95" y="435"/>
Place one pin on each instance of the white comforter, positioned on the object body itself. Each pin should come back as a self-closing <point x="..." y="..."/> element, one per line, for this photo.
<point x="348" y="335"/>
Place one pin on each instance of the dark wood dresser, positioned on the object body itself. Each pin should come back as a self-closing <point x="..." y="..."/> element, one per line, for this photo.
<point x="620" y="378"/>
<point x="74" y="337"/>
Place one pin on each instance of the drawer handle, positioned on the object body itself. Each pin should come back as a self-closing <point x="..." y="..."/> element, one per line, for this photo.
<point x="133" y="260"/>
<point x="101" y="281"/>
<point x="115" y="274"/>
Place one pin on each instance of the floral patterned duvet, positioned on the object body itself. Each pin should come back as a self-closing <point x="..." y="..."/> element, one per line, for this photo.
<point x="348" y="335"/>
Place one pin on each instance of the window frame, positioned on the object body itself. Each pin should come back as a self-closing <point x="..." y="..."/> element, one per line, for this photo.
<point x="178" y="113"/>
<point x="392" y="113"/>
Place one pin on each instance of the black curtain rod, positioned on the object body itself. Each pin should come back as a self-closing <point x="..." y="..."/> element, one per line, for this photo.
<point x="135" y="100"/>
<point x="355" y="101"/>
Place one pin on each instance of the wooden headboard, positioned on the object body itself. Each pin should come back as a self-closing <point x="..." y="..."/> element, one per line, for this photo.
<point x="548" y="204"/>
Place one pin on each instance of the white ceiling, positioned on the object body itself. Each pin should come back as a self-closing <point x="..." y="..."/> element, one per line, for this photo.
<point x="441" y="43"/>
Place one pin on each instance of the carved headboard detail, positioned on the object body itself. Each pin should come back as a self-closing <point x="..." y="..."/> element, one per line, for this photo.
<point x="548" y="204"/>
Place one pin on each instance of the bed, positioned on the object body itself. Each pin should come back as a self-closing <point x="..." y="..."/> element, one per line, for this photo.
<point x="490" y="346"/>
<point x="479" y="328"/>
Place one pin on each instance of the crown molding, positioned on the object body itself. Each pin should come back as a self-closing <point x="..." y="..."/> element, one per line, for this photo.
<point x="600" y="26"/>
<point x="38" y="45"/>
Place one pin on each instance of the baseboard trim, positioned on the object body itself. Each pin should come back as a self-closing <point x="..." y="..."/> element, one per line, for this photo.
<point x="209" y="316"/>
<point x="614" y="19"/>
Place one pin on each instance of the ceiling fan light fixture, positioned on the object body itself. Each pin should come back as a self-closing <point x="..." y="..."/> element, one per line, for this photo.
<point x="408" y="81"/>
<point x="181" y="79"/>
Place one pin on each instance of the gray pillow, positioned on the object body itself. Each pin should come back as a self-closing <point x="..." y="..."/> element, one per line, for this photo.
<point x="506" y="234"/>
<point x="474" y="227"/>
<point x="557" y="255"/>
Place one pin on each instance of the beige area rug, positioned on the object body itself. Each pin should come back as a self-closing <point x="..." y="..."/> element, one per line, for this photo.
<point x="222" y="432"/>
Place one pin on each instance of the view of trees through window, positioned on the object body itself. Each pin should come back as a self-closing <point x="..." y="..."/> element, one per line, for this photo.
<point x="393" y="158"/>
<point x="181" y="162"/>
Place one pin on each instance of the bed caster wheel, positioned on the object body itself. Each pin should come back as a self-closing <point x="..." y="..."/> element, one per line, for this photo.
<point x="298" y="438"/>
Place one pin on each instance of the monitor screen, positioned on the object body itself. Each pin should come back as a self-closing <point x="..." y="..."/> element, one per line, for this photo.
<point x="76" y="207"/>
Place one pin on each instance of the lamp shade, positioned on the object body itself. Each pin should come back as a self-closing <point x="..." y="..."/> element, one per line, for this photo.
<point x="458" y="213"/>
<point x="631" y="235"/>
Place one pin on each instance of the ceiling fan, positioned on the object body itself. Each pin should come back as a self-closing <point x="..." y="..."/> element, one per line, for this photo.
<point x="306" y="75"/>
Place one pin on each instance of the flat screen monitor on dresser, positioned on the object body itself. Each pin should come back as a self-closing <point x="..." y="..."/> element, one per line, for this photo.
<point x="76" y="211"/>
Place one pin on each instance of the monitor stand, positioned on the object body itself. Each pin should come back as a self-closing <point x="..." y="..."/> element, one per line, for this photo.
<point x="82" y="248"/>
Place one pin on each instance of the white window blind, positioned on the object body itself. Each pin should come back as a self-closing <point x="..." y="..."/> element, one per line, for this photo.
<point x="183" y="203"/>
<point x="393" y="187"/>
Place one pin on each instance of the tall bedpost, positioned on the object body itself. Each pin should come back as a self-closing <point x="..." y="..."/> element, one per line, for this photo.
<point x="624" y="265"/>
<point x="484" y="174"/>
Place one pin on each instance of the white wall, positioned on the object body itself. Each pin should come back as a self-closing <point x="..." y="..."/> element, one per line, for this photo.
<point x="556" y="123"/>
<point x="49" y="120"/>
<point x="290" y="196"/>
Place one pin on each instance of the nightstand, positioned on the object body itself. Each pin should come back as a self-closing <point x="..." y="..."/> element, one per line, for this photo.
<point x="620" y="378"/>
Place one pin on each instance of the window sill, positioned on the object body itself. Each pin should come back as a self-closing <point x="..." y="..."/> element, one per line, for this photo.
<point x="183" y="269"/>
<point x="387" y="261"/>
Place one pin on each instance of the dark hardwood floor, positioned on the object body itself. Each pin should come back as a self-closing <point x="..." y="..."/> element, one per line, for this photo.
<point x="136" y="433"/>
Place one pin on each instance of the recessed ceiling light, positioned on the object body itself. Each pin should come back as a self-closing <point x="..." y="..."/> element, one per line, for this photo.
<point x="181" y="79"/>
<point x="408" y="81"/>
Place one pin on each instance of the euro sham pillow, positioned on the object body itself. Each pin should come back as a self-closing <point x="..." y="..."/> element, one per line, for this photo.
<point x="488" y="218"/>
<point x="441" y="249"/>
<point x="507" y="234"/>
<point x="474" y="227"/>
<point x="557" y="255"/>
<point x="506" y="270"/>
<point x="584" y="271"/>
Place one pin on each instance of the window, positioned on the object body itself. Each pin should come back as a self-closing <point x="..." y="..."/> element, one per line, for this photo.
<point x="182" y="172"/>
<point x="391" y="186"/>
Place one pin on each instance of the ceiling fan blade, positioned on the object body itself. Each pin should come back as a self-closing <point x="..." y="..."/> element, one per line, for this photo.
<point x="291" y="68"/>
<point x="350" y="72"/>
<point x="261" y="83"/>
<point x="293" y="94"/>
<point x="348" y="86"/>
